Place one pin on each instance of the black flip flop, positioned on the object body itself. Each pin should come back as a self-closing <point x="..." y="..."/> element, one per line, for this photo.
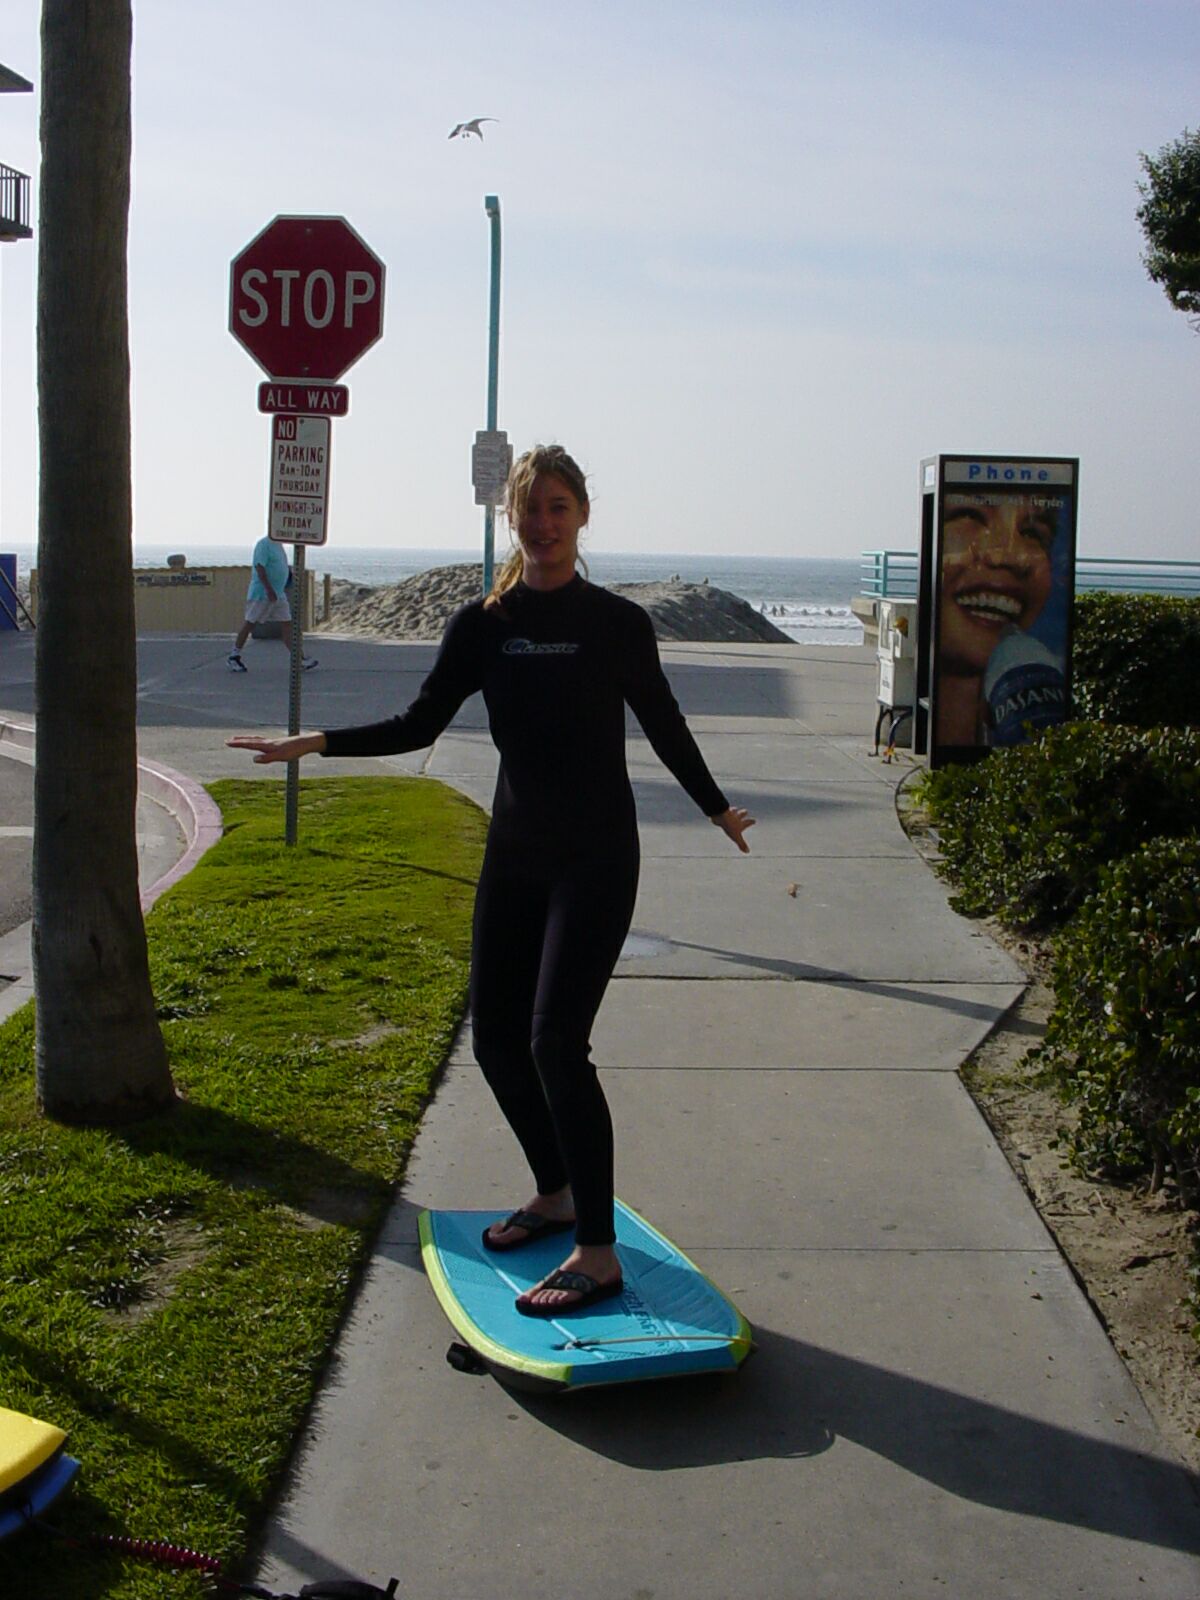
<point x="536" y="1226"/>
<point x="588" y="1290"/>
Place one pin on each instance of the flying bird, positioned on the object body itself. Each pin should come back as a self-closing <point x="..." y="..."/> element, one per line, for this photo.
<point x="462" y="129"/>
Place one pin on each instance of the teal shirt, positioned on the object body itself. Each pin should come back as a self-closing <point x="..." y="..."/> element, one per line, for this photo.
<point x="271" y="557"/>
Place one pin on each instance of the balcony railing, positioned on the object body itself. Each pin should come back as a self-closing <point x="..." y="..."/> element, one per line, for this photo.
<point x="14" y="204"/>
<point x="892" y="574"/>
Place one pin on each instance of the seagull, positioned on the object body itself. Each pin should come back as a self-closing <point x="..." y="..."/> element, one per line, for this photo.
<point x="462" y="129"/>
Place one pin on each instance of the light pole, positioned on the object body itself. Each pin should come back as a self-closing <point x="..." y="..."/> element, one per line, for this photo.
<point x="491" y="204"/>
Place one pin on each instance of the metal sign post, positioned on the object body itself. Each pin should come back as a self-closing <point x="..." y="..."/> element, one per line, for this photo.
<point x="306" y="301"/>
<point x="299" y="504"/>
<point x="291" y="823"/>
<point x="491" y="204"/>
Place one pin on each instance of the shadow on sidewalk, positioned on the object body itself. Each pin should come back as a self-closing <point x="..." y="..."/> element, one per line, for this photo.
<point x="795" y="1400"/>
<point x="643" y="943"/>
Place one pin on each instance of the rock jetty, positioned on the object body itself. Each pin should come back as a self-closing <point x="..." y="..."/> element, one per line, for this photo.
<point x="419" y="608"/>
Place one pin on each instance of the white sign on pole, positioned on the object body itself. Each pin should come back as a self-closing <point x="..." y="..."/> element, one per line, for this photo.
<point x="491" y="463"/>
<point x="299" y="479"/>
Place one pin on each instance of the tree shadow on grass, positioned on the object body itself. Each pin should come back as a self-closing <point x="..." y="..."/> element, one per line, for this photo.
<point x="399" y="866"/>
<point x="249" y="1155"/>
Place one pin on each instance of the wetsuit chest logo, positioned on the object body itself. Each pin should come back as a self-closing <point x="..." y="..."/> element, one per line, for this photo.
<point x="530" y="647"/>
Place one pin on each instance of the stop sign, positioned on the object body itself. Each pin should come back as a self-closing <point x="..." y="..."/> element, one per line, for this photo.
<point x="306" y="297"/>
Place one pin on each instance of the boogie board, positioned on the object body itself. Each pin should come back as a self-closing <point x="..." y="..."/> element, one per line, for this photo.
<point x="33" y="1468"/>
<point x="670" y="1321"/>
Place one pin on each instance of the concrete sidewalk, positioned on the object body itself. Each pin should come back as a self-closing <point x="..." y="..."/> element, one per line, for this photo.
<point x="934" y="1409"/>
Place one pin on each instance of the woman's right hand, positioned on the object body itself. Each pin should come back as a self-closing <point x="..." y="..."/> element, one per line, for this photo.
<point x="734" y="823"/>
<point x="303" y="744"/>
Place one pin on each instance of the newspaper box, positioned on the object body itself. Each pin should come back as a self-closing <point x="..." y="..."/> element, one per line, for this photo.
<point x="897" y="652"/>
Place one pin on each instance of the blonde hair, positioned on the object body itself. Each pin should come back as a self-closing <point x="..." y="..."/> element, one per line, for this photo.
<point x="549" y="460"/>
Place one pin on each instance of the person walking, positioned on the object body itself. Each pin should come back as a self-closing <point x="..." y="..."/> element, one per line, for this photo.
<point x="266" y="601"/>
<point x="557" y="660"/>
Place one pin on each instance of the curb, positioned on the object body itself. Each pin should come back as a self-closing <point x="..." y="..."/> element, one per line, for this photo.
<point x="194" y="810"/>
<point x="180" y="796"/>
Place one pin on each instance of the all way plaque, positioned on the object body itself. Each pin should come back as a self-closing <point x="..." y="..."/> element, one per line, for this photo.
<point x="299" y="479"/>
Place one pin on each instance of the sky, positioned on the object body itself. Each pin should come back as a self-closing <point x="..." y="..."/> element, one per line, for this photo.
<point x="758" y="260"/>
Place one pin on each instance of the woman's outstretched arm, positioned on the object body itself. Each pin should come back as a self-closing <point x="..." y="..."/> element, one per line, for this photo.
<point x="649" y="694"/>
<point x="300" y="744"/>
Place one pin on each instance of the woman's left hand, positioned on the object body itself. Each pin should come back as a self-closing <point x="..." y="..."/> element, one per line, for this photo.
<point x="734" y="822"/>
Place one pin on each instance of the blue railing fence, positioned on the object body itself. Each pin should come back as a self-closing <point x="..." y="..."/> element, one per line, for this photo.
<point x="889" y="574"/>
<point x="1137" y="577"/>
<point x="892" y="574"/>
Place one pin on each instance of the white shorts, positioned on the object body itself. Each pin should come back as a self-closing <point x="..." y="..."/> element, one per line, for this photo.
<point x="276" y="610"/>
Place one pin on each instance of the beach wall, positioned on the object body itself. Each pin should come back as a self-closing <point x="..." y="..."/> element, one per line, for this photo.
<point x="188" y="599"/>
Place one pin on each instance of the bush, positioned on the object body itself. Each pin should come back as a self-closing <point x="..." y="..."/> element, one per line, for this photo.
<point x="1136" y="659"/>
<point x="1124" y="1039"/>
<point x="1025" y="833"/>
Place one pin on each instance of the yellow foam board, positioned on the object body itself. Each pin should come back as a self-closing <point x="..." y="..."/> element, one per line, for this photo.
<point x="25" y="1445"/>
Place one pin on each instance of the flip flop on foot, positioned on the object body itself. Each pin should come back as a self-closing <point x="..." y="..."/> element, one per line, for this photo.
<point x="585" y="1289"/>
<point x="534" y="1224"/>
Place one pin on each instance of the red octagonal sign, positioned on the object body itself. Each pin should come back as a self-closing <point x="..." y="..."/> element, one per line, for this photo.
<point x="306" y="297"/>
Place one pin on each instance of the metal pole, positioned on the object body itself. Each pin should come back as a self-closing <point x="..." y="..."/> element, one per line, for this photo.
<point x="491" y="204"/>
<point x="299" y="580"/>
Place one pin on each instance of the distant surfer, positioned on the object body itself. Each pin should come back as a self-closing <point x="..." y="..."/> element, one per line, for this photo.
<point x="557" y="660"/>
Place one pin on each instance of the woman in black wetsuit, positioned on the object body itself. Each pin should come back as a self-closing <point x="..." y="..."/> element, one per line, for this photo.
<point x="557" y="660"/>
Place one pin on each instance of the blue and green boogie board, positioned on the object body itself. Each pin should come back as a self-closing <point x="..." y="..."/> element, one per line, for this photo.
<point x="669" y="1322"/>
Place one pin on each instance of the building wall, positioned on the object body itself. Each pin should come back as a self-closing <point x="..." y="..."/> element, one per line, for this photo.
<point x="190" y="599"/>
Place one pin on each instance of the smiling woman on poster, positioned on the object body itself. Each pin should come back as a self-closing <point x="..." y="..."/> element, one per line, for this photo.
<point x="998" y="577"/>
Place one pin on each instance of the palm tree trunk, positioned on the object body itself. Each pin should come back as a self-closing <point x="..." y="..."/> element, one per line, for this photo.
<point x="100" y="1054"/>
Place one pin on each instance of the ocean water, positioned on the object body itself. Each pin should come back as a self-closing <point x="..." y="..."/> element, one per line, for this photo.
<point x="806" y="598"/>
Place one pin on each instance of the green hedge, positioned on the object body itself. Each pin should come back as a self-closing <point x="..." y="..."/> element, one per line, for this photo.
<point x="1025" y="833"/>
<point x="1124" y="1038"/>
<point x="1137" y="659"/>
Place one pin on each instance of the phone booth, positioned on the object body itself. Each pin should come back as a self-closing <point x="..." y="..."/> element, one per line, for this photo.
<point x="995" y="589"/>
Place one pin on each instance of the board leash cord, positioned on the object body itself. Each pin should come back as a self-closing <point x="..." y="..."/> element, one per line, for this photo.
<point x="166" y="1554"/>
<point x="733" y="1339"/>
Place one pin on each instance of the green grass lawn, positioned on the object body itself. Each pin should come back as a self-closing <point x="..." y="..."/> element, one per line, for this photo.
<point x="169" y="1292"/>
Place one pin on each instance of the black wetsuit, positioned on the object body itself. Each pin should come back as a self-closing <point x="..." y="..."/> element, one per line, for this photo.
<point x="560" y="872"/>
